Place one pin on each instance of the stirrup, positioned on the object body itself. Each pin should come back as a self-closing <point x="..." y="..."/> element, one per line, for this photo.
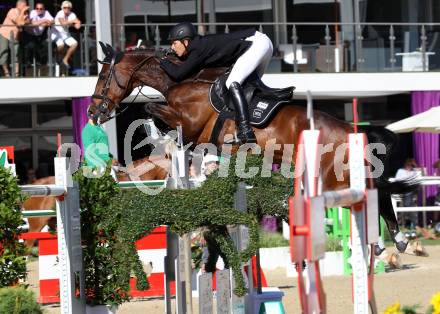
<point x="245" y="134"/>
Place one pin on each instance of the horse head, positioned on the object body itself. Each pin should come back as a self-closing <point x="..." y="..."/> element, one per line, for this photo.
<point x="117" y="78"/>
<point x="110" y="88"/>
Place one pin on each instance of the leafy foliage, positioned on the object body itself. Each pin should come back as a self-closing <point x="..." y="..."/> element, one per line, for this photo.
<point x="135" y="214"/>
<point x="18" y="300"/>
<point x="112" y="225"/>
<point x="102" y="274"/>
<point x="12" y="260"/>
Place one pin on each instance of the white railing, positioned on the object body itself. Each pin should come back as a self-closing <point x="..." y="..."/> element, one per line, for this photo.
<point x="424" y="181"/>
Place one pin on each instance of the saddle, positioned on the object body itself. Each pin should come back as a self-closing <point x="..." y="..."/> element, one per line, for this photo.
<point x="263" y="101"/>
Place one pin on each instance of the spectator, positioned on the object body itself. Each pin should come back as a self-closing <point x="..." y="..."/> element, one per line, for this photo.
<point x="31" y="176"/>
<point x="408" y="171"/>
<point x="200" y="172"/>
<point x="15" y="19"/>
<point x="96" y="148"/>
<point x="436" y="166"/>
<point x="64" y="19"/>
<point x="34" y="37"/>
<point x="131" y="42"/>
<point x="436" y="215"/>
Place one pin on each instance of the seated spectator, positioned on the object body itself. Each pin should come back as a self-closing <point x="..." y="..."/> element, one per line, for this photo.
<point x="436" y="166"/>
<point x="15" y="19"/>
<point x="408" y="171"/>
<point x="34" y="38"/>
<point x="64" y="19"/>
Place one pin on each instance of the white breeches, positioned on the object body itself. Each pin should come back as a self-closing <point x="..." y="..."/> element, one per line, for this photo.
<point x="257" y="58"/>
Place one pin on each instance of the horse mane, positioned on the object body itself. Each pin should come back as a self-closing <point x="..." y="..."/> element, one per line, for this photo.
<point x="151" y="51"/>
<point x="138" y="55"/>
<point x="207" y="75"/>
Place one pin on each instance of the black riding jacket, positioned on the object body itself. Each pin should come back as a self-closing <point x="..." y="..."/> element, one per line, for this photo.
<point x="217" y="50"/>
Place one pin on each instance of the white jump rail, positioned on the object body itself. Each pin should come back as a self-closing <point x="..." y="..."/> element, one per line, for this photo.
<point x="68" y="233"/>
<point x="424" y="181"/>
<point x="43" y="190"/>
<point x="342" y="198"/>
<point x="307" y="227"/>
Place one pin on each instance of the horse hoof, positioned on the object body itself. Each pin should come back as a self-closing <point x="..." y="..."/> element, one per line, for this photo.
<point x="401" y="246"/>
<point x="378" y="250"/>
<point x="394" y="261"/>
<point x="419" y="250"/>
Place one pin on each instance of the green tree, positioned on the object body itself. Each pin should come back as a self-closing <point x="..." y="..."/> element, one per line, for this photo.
<point x="12" y="260"/>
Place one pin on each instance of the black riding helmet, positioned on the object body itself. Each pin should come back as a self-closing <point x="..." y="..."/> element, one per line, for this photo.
<point x="182" y="31"/>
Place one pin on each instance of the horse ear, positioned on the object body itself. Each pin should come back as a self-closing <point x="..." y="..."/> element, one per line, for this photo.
<point x="119" y="57"/>
<point x="110" y="50"/>
<point x="104" y="48"/>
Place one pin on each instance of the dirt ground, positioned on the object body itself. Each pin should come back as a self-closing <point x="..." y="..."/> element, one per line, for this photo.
<point x="414" y="284"/>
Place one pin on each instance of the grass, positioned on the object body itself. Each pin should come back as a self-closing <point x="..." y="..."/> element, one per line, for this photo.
<point x="420" y="237"/>
<point x="276" y="239"/>
<point x="272" y="239"/>
<point x="430" y="241"/>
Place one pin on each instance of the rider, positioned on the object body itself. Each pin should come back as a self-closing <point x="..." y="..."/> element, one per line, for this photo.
<point x="247" y="50"/>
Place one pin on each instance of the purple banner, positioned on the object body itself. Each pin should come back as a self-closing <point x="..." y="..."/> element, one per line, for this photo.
<point x="426" y="145"/>
<point x="79" y="118"/>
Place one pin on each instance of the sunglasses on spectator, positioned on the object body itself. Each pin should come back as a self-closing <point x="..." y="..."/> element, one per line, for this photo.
<point x="67" y="8"/>
<point x="39" y="9"/>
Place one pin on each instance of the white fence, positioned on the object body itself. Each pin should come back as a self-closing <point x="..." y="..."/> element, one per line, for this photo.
<point x="69" y="235"/>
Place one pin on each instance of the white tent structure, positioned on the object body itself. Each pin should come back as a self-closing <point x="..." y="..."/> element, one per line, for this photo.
<point x="427" y="121"/>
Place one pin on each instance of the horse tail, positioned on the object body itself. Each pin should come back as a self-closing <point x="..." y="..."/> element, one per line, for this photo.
<point x="399" y="187"/>
<point x="376" y="134"/>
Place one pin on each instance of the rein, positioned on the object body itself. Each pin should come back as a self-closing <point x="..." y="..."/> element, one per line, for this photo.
<point x="103" y="110"/>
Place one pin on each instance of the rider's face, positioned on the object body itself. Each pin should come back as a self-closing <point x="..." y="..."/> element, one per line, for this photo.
<point x="179" y="47"/>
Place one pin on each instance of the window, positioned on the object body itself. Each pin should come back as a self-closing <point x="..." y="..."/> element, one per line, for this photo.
<point x="32" y="129"/>
<point x="47" y="151"/>
<point x="54" y="115"/>
<point x="22" y="153"/>
<point x="16" y="116"/>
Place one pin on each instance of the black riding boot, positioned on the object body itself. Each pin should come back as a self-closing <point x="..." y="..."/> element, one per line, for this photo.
<point x="245" y="132"/>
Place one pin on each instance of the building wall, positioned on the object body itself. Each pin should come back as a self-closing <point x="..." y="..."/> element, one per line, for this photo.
<point x="32" y="128"/>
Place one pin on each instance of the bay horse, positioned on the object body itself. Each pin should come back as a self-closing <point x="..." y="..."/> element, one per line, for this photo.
<point x="188" y="105"/>
<point x="147" y="168"/>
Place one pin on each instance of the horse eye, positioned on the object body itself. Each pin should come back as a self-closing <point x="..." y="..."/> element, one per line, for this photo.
<point x="101" y="76"/>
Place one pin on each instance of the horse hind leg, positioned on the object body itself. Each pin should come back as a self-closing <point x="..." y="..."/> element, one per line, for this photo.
<point x="387" y="212"/>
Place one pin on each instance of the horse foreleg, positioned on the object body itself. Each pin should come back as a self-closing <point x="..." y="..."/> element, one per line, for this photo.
<point x="165" y="113"/>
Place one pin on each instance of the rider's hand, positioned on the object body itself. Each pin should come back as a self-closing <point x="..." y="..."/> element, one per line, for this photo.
<point x="170" y="52"/>
<point x="164" y="62"/>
